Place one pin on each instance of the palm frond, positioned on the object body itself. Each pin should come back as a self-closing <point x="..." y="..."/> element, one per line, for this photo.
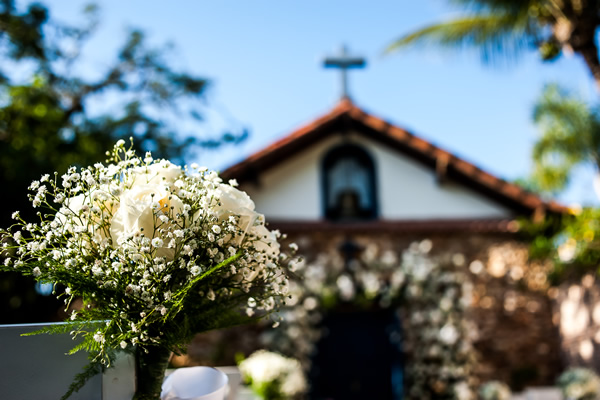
<point x="506" y="35"/>
<point x="495" y="6"/>
<point x="570" y="136"/>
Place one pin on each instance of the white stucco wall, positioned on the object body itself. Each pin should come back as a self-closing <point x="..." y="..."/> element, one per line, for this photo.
<point x="407" y="190"/>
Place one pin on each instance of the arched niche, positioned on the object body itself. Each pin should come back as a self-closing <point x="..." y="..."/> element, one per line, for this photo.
<point x="348" y="184"/>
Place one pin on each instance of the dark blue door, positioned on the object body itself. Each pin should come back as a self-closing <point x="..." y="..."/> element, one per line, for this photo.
<point x="358" y="357"/>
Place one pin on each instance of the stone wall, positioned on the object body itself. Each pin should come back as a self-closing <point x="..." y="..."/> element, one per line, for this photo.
<point x="515" y="328"/>
<point x="516" y="337"/>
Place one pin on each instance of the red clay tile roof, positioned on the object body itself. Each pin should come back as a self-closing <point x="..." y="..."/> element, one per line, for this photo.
<point x="347" y="116"/>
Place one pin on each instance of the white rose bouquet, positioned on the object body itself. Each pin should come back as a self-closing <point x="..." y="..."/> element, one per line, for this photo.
<point x="273" y="376"/>
<point x="157" y="254"/>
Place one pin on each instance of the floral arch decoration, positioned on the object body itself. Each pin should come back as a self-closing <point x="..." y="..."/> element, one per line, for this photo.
<point x="430" y="293"/>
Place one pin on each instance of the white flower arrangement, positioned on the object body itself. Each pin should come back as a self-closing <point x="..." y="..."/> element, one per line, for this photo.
<point x="156" y="252"/>
<point x="494" y="390"/>
<point x="579" y="384"/>
<point x="273" y="376"/>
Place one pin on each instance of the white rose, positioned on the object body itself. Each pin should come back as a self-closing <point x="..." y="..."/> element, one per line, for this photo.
<point x="238" y="203"/>
<point x="160" y="173"/>
<point x="136" y="214"/>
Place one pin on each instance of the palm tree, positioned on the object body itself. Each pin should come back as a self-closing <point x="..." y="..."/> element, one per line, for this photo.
<point x="570" y="137"/>
<point x="507" y="27"/>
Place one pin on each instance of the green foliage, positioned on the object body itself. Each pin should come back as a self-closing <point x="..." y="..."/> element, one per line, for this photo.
<point x="21" y="34"/>
<point x="90" y="370"/>
<point x="570" y="136"/>
<point x="572" y="241"/>
<point x="80" y="331"/>
<point x="267" y="390"/>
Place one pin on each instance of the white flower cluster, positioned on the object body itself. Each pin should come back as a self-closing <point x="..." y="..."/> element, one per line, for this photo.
<point x="284" y="374"/>
<point x="494" y="390"/>
<point x="145" y="242"/>
<point x="579" y="384"/>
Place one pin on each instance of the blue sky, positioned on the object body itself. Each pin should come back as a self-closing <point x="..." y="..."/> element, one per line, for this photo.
<point x="264" y="60"/>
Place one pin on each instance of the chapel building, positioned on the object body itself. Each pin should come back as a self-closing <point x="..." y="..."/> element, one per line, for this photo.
<point x="349" y="187"/>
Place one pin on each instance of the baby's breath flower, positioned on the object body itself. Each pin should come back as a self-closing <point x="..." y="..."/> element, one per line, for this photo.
<point x="211" y="295"/>
<point x="195" y="270"/>
<point x="99" y="337"/>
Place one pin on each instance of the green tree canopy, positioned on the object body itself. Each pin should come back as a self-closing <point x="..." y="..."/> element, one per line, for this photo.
<point x="570" y="136"/>
<point x="54" y="118"/>
<point x="51" y="117"/>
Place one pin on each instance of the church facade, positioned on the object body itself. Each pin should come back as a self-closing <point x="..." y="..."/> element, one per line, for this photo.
<point x="350" y="184"/>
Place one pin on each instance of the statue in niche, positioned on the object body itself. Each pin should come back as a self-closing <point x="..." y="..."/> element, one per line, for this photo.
<point x="349" y="184"/>
<point x="348" y="204"/>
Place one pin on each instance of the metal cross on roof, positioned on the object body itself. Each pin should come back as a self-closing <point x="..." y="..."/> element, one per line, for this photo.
<point x="344" y="62"/>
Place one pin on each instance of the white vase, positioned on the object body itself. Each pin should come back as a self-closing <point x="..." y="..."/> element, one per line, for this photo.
<point x="194" y="383"/>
